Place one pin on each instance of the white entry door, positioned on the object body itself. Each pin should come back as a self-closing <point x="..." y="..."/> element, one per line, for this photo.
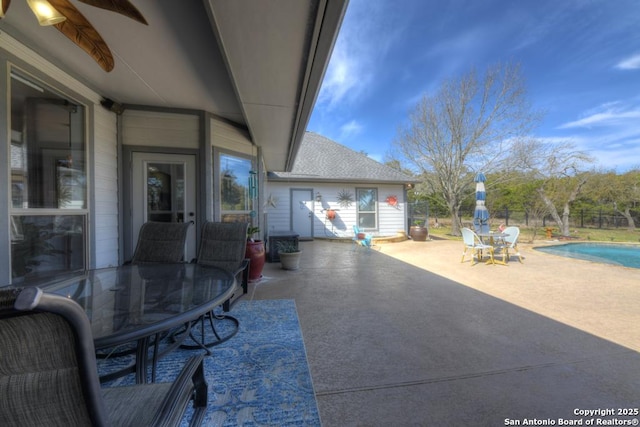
<point x="302" y="212"/>
<point x="164" y="190"/>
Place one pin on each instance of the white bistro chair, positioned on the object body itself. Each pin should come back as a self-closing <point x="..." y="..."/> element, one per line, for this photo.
<point x="478" y="249"/>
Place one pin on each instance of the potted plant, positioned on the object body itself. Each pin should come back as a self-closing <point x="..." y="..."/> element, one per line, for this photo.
<point x="418" y="231"/>
<point x="289" y="254"/>
<point x="256" y="253"/>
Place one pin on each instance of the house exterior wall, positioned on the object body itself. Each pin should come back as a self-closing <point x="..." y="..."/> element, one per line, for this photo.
<point x="138" y="126"/>
<point x="160" y="129"/>
<point x="390" y="219"/>
<point x="229" y="137"/>
<point x="106" y="189"/>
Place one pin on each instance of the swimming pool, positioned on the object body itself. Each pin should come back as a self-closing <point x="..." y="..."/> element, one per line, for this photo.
<point x="624" y="255"/>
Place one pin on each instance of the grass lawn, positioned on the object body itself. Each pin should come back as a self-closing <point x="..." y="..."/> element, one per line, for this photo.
<point x="532" y="235"/>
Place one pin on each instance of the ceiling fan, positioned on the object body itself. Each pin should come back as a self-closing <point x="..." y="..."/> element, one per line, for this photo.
<point x="69" y="21"/>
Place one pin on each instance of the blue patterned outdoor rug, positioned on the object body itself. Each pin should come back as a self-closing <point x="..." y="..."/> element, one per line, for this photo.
<point x="260" y="377"/>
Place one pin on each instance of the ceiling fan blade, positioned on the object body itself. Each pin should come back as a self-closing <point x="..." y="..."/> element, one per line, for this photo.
<point x="80" y="31"/>
<point x="5" y="7"/>
<point x="123" y="7"/>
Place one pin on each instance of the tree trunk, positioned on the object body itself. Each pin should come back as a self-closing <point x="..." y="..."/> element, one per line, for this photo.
<point x="565" y="220"/>
<point x="631" y="224"/>
<point x="552" y="208"/>
<point x="455" y="224"/>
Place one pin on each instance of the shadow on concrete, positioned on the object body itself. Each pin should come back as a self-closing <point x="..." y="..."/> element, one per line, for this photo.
<point x="391" y="344"/>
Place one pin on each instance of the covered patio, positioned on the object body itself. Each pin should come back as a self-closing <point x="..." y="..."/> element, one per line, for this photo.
<point x="400" y="335"/>
<point x="407" y="335"/>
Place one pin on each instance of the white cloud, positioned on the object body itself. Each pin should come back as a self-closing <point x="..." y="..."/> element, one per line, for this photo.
<point x="610" y="114"/>
<point x="350" y="129"/>
<point x="630" y="63"/>
<point x="368" y="32"/>
<point x="342" y="77"/>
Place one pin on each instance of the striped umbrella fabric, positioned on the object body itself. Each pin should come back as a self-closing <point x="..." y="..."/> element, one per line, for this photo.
<point x="481" y="214"/>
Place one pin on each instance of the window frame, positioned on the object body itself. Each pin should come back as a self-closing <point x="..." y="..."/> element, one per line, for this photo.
<point x="360" y="212"/>
<point x="17" y="214"/>
<point x="241" y="215"/>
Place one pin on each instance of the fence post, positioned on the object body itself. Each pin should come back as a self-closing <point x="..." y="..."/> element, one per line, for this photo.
<point x="600" y="218"/>
<point x="581" y="218"/>
<point x="526" y="218"/>
<point x="506" y="216"/>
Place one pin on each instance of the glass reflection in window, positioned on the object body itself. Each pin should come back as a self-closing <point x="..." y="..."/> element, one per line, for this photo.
<point x="43" y="246"/>
<point x="235" y="177"/>
<point x="367" y="207"/>
<point x="47" y="148"/>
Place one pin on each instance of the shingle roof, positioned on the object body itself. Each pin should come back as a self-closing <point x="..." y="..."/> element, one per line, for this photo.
<point x="321" y="159"/>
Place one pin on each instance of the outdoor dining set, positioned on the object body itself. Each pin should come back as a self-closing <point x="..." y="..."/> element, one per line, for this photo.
<point x="53" y="334"/>
<point x="483" y="242"/>
<point x="491" y="244"/>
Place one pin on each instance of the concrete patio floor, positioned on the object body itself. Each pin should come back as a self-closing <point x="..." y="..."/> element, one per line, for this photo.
<point x="405" y="334"/>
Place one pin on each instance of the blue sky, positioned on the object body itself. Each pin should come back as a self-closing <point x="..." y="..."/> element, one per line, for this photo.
<point x="580" y="59"/>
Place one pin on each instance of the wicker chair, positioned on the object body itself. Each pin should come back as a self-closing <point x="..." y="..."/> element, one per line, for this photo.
<point x="48" y="373"/>
<point x="161" y="242"/>
<point x="510" y="243"/>
<point x="474" y="243"/>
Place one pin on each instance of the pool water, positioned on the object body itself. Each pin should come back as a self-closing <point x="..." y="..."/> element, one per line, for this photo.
<point x="624" y="255"/>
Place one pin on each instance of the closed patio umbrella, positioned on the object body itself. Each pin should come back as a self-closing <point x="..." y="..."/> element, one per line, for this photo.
<point x="481" y="214"/>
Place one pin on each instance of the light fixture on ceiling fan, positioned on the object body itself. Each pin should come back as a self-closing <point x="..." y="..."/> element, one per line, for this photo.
<point x="46" y="14"/>
<point x="67" y="19"/>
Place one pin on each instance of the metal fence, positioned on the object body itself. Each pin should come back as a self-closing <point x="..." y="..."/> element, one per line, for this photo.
<point x="582" y="218"/>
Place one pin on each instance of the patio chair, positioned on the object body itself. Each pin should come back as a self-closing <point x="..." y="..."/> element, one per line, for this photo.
<point x="510" y="243"/>
<point x="223" y="245"/>
<point x="161" y="242"/>
<point x="49" y="374"/>
<point x="361" y="238"/>
<point x="478" y="248"/>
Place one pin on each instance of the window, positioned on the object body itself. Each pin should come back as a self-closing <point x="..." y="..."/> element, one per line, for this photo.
<point x="367" y="207"/>
<point x="238" y="186"/>
<point x="48" y="181"/>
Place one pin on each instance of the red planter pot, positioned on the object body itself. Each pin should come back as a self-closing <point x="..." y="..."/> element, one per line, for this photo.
<point x="256" y="253"/>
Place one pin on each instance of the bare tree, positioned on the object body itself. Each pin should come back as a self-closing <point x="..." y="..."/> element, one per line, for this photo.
<point x="466" y="127"/>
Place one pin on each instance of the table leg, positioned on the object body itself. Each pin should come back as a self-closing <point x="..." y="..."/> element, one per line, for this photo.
<point x="142" y="352"/>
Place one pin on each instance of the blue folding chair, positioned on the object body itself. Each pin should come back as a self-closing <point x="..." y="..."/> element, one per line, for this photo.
<point x="361" y="238"/>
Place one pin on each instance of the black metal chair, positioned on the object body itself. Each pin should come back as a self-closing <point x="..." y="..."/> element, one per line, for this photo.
<point x="161" y="242"/>
<point x="48" y="372"/>
<point x="223" y="245"/>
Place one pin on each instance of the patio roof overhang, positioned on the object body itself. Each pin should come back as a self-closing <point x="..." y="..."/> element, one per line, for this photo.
<point x="259" y="64"/>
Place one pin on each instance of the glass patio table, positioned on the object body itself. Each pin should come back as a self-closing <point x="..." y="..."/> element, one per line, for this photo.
<point x="141" y="303"/>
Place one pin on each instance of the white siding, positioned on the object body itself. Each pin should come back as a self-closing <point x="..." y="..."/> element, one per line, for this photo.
<point x="278" y="217"/>
<point x="390" y="219"/>
<point x="159" y="129"/>
<point x="106" y="189"/>
<point x="229" y="137"/>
